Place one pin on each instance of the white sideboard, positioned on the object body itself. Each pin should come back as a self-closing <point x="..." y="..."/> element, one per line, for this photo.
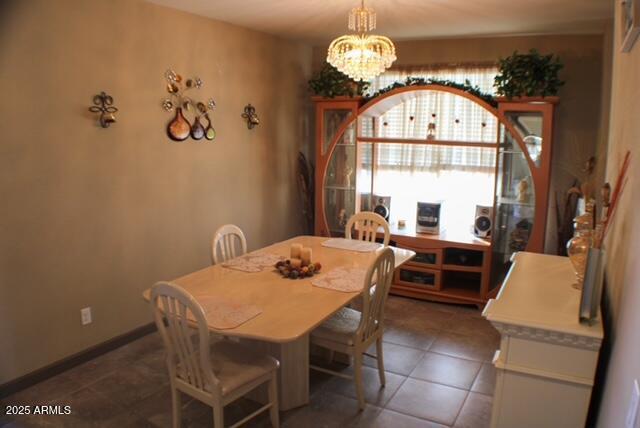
<point x="547" y="359"/>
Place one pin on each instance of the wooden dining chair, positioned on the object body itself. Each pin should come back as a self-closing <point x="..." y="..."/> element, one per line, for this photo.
<point x="352" y="332"/>
<point x="226" y="241"/>
<point x="214" y="372"/>
<point x="367" y="224"/>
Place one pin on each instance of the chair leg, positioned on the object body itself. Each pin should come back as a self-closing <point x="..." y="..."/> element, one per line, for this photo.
<point x="176" y="403"/>
<point x="273" y="399"/>
<point x="357" y="376"/>
<point x="380" y="359"/>
<point x="218" y="415"/>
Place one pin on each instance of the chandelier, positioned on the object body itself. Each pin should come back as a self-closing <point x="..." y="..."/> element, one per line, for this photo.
<point x="361" y="56"/>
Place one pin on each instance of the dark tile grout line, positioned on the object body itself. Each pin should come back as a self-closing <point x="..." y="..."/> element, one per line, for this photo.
<point x="460" y="409"/>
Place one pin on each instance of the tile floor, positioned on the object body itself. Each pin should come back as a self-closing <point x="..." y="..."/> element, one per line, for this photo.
<point x="437" y="359"/>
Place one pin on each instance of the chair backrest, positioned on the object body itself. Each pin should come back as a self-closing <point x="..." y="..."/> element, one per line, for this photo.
<point x="182" y="324"/>
<point x="376" y="289"/>
<point x="225" y="243"/>
<point x="367" y="225"/>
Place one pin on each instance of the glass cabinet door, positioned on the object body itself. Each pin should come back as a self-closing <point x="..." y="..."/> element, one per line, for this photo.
<point x="515" y="205"/>
<point x="340" y="181"/>
<point x="529" y="124"/>
<point x="332" y="120"/>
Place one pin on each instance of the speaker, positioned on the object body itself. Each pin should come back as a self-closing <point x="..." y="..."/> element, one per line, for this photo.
<point x="428" y="217"/>
<point x="382" y="206"/>
<point x="483" y="223"/>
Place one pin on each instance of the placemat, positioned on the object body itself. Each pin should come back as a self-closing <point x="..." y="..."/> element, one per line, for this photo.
<point x="347" y="280"/>
<point x="351" y="245"/>
<point x="253" y="262"/>
<point x="225" y="314"/>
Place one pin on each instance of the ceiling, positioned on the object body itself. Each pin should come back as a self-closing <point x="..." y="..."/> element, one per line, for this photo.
<point x="319" y="21"/>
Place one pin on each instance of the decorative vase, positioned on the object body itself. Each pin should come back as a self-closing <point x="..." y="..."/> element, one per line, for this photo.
<point x="210" y="133"/>
<point x="577" y="249"/>
<point x="197" y="130"/>
<point x="179" y="128"/>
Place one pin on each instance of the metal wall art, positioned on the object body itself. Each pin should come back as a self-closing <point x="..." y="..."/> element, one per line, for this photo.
<point x="251" y="116"/>
<point x="103" y="104"/>
<point x="179" y="129"/>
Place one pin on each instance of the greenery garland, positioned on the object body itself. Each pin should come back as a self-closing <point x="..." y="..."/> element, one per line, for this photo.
<point x="421" y="81"/>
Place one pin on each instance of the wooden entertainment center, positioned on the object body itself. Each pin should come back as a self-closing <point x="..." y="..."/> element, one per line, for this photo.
<point x="454" y="266"/>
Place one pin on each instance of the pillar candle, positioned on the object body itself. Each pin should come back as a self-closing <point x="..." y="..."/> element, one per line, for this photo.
<point x="295" y="251"/>
<point x="296" y="263"/>
<point x="305" y="255"/>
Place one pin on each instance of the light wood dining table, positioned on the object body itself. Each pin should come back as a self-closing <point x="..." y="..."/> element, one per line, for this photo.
<point x="291" y="309"/>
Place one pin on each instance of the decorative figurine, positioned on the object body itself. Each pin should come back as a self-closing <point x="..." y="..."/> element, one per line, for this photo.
<point x="431" y="128"/>
<point x="523" y="191"/>
<point x="347" y="176"/>
<point x="342" y="217"/>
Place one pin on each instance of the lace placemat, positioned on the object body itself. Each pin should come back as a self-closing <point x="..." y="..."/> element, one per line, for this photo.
<point x="253" y="262"/>
<point x="347" y="280"/>
<point x="225" y="314"/>
<point x="351" y="245"/>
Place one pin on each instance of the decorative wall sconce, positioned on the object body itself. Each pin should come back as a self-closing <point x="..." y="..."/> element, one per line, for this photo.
<point x="179" y="129"/>
<point x="104" y="106"/>
<point x="251" y="116"/>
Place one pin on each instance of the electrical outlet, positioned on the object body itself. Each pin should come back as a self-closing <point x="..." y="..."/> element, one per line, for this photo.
<point x="85" y="315"/>
<point x="633" y="420"/>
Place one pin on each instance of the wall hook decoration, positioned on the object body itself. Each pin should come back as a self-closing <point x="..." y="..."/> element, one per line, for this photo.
<point x="251" y="116"/>
<point x="104" y="106"/>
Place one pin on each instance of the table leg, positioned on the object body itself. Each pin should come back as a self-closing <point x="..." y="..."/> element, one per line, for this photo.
<point x="293" y="374"/>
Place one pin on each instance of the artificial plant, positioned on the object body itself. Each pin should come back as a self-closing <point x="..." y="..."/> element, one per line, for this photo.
<point x="330" y="83"/>
<point x="530" y="75"/>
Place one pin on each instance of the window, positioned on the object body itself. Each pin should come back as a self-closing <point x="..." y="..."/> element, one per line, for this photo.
<point x="461" y="176"/>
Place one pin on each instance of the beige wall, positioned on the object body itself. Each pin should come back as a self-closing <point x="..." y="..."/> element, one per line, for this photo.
<point x="622" y="293"/>
<point x="91" y="216"/>
<point x="578" y="124"/>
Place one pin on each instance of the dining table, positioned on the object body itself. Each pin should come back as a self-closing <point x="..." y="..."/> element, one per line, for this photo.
<point x="289" y="308"/>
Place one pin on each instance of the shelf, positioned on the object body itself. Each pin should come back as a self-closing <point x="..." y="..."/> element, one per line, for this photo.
<point x="340" y="188"/>
<point x="425" y="141"/>
<point x="457" y="238"/>
<point x="461" y="268"/>
<point x="444" y="295"/>
<point x="514" y="201"/>
<point x="461" y="291"/>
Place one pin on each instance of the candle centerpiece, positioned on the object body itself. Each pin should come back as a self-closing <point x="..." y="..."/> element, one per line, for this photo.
<point x="305" y="256"/>
<point x="299" y="265"/>
<point x="296" y="250"/>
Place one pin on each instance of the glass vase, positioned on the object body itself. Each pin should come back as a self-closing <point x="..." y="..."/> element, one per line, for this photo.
<point x="577" y="249"/>
<point x="179" y="128"/>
